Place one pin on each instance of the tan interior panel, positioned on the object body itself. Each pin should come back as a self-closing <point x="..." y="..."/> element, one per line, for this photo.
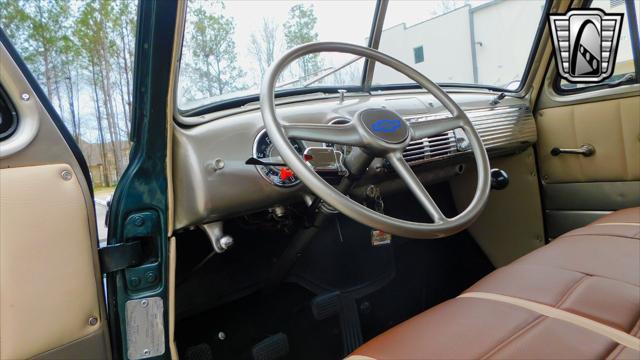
<point x="511" y="224"/>
<point x="48" y="292"/>
<point x="612" y="127"/>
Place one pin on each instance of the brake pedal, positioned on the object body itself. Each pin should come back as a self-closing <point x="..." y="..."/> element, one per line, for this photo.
<point x="272" y="348"/>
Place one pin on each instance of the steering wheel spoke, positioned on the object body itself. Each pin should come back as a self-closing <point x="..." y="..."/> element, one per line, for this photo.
<point x="426" y="128"/>
<point x="415" y="185"/>
<point x="346" y="134"/>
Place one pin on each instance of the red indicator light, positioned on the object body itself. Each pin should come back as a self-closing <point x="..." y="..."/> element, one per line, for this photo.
<point x="307" y="157"/>
<point x="285" y="173"/>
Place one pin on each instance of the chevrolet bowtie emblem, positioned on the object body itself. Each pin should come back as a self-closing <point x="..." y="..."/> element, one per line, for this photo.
<point x="585" y="43"/>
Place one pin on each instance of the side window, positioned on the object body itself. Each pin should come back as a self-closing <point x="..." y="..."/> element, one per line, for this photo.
<point x="624" y="71"/>
<point x="81" y="53"/>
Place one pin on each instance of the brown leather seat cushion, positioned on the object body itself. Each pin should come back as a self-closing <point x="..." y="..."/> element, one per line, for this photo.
<point x="593" y="272"/>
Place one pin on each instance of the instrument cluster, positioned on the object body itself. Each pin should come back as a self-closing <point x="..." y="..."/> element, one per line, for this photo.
<point x="279" y="175"/>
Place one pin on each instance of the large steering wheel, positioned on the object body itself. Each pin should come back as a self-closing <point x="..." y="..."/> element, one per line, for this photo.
<point x="378" y="132"/>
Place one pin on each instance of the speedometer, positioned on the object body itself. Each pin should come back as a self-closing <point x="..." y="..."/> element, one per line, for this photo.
<point x="263" y="149"/>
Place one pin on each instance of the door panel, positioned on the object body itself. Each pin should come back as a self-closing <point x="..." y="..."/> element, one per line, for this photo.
<point x="612" y="127"/>
<point x="51" y="294"/>
<point x="48" y="292"/>
<point x="577" y="189"/>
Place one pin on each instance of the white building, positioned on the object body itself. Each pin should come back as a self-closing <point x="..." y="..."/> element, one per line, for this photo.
<point x="481" y="44"/>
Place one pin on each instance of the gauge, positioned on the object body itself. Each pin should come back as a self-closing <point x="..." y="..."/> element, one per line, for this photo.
<point x="263" y="149"/>
<point x="344" y="149"/>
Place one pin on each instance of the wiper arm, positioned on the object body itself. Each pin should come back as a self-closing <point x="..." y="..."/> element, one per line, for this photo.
<point x="342" y="66"/>
<point x="299" y="78"/>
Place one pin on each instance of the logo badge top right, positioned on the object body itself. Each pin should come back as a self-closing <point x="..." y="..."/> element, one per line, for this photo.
<point x="585" y="43"/>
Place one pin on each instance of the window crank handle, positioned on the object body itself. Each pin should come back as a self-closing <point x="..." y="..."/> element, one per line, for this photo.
<point x="584" y="150"/>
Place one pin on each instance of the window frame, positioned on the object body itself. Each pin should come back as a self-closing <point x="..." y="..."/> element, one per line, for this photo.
<point x="631" y="19"/>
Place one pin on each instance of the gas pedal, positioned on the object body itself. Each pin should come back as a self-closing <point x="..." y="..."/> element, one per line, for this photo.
<point x="326" y="305"/>
<point x="199" y="352"/>
<point x="334" y="303"/>
<point x="272" y="348"/>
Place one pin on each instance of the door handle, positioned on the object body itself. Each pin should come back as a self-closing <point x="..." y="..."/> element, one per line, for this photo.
<point x="584" y="150"/>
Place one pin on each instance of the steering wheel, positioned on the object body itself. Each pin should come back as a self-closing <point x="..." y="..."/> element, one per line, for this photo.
<point x="378" y="132"/>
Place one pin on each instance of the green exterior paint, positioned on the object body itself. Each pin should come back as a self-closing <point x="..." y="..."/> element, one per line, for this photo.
<point x="142" y="191"/>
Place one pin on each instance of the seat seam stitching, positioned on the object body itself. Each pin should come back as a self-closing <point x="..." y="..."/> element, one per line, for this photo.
<point x="511" y="338"/>
<point x="614" y="224"/>
<point x="632" y="237"/>
<point x="588" y="274"/>
<point x="618" y="349"/>
<point x="535" y="321"/>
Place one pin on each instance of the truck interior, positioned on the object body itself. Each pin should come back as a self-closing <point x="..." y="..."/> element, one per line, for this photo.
<point x="375" y="180"/>
<point x="282" y="251"/>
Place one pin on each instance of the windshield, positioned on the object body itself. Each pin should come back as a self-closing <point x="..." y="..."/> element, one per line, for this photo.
<point x="462" y="42"/>
<point x="228" y="45"/>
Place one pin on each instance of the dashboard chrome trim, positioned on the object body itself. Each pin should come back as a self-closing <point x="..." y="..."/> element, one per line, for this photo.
<point x="499" y="126"/>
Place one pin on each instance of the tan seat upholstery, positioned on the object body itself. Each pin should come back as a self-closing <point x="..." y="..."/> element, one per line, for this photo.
<point x="593" y="272"/>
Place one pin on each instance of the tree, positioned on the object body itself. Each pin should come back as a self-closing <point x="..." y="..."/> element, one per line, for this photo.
<point x="445" y="6"/>
<point x="213" y="61"/>
<point x="86" y="38"/>
<point x="124" y="22"/>
<point x="70" y="53"/>
<point x="80" y="50"/>
<point x="300" y="29"/>
<point x="263" y="45"/>
<point x="94" y="31"/>
<point x="31" y="22"/>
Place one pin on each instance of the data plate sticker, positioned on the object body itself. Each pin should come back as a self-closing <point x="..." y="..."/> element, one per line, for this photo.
<point x="145" y="328"/>
<point x="379" y="237"/>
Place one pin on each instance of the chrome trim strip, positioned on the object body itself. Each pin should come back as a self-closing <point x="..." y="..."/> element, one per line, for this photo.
<point x="498" y="127"/>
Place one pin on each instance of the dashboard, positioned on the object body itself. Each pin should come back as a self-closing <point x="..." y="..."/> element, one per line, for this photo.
<point x="213" y="182"/>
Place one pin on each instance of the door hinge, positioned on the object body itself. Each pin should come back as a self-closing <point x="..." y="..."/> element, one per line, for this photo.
<point x="121" y="256"/>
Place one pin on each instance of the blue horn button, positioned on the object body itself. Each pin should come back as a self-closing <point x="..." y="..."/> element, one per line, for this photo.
<point x="386" y="125"/>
